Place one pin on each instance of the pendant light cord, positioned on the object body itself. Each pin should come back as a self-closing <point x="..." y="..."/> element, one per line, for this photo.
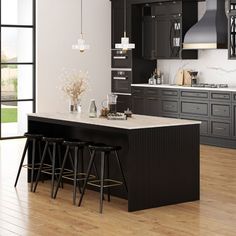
<point x="125" y="18"/>
<point x="81" y="21"/>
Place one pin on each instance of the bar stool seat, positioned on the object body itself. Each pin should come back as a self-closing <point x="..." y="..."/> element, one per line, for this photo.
<point x="105" y="151"/>
<point x="51" y="140"/>
<point x="34" y="139"/>
<point x="53" y="143"/>
<point x="104" y="148"/>
<point x="77" y="162"/>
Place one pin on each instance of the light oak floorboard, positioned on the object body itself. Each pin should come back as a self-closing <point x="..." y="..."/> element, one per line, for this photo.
<point x="26" y="213"/>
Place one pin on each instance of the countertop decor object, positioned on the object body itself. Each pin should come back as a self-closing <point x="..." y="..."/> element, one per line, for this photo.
<point x="75" y="84"/>
<point x="81" y="44"/>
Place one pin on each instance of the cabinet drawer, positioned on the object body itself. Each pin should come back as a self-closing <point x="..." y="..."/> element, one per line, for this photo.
<point x="221" y="96"/>
<point x="220" y="129"/>
<point x="234" y="97"/>
<point x="194" y="108"/>
<point x="152" y="92"/>
<point x="121" y="59"/>
<point x="169" y="93"/>
<point x="137" y="91"/>
<point x="169" y="106"/>
<point x="204" y="126"/>
<point x="220" y="110"/>
<point x="194" y="94"/>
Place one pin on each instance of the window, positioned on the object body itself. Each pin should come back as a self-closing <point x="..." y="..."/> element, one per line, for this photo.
<point x="17" y="75"/>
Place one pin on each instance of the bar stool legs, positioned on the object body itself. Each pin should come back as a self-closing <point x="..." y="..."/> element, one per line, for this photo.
<point x="87" y="176"/>
<point x="34" y="138"/>
<point x="21" y="162"/>
<point x="41" y="166"/>
<point x="102" y="180"/>
<point x="53" y="143"/>
<point x="105" y="155"/>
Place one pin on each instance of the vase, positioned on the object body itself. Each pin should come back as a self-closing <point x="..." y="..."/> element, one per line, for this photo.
<point x="75" y="105"/>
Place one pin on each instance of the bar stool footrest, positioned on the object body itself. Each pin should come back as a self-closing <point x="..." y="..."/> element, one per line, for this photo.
<point x="107" y="183"/>
<point x="36" y="166"/>
<point x="80" y="176"/>
<point x="57" y="171"/>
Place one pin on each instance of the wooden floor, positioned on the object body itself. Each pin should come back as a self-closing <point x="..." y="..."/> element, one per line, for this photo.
<point x="25" y="213"/>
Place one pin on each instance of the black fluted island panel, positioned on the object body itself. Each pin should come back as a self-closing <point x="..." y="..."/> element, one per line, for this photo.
<point x="160" y="156"/>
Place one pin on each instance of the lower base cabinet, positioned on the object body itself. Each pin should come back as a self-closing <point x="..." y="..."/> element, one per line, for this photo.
<point x="217" y="113"/>
<point x="234" y="120"/>
<point x="124" y="102"/>
<point x="138" y="105"/>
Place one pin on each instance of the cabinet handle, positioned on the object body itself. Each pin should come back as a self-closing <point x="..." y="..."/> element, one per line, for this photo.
<point x="169" y="106"/>
<point x="119" y="78"/>
<point x="217" y="128"/>
<point x="119" y="57"/>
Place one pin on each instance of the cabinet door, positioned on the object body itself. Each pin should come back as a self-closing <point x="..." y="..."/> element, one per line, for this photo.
<point x="148" y="35"/>
<point x="117" y="21"/>
<point x="175" y="36"/>
<point x="152" y="106"/>
<point x="162" y="36"/>
<point x="234" y="120"/>
<point x="138" y="105"/>
<point x="123" y="102"/>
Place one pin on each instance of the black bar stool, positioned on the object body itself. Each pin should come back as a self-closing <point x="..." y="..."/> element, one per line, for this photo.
<point x="105" y="155"/>
<point x="55" y="144"/>
<point x="77" y="162"/>
<point x="34" y="139"/>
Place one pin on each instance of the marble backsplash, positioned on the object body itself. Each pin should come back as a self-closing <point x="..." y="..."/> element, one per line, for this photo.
<point x="213" y="67"/>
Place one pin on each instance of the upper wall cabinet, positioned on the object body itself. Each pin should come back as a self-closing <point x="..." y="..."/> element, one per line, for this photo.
<point x="163" y="28"/>
<point x="117" y="21"/>
<point x="232" y="29"/>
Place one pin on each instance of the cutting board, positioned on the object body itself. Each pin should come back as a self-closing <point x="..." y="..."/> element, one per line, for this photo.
<point x="187" y="78"/>
<point x="180" y="78"/>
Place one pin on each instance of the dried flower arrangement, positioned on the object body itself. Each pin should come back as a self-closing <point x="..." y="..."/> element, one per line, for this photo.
<point x="74" y="86"/>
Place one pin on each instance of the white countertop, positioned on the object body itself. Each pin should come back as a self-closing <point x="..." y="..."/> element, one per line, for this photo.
<point x="230" y="89"/>
<point x="136" y="122"/>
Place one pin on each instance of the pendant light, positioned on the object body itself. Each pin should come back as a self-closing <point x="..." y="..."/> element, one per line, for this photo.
<point x="81" y="44"/>
<point x="125" y="45"/>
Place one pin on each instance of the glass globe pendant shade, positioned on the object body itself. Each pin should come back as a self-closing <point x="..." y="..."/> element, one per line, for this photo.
<point x="81" y="45"/>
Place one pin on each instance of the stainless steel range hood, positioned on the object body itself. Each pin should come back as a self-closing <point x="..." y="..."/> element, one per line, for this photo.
<point x="211" y="30"/>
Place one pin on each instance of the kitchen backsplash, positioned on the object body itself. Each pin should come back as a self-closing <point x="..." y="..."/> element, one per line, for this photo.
<point x="213" y="65"/>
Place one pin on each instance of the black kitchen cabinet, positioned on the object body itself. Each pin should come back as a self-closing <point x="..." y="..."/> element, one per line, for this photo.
<point x="138" y="101"/>
<point x="232" y="29"/>
<point x="164" y="29"/>
<point x="234" y="119"/>
<point x="130" y="66"/>
<point x="117" y="21"/>
<point x="146" y="101"/>
<point x="215" y="109"/>
<point x="152" y="102"/>
<point x="123" y="102"/>
<point x="138" y="105"/>
<point x="149" y="50"/>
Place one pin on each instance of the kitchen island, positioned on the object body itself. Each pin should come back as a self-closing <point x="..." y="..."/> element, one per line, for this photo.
<point x="160" y="156"/>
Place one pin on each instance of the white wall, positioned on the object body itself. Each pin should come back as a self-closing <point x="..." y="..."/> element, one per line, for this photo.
<point x="58" y="27"/>
<point x="213" y="65"/>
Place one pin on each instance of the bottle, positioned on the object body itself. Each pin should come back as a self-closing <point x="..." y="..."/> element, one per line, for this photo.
<point x="152" y="80"/>
<point x="158" y="77"/>
<point x="92" y="109"/>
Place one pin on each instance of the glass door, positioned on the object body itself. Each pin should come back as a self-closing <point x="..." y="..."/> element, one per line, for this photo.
<point x="17" y="93"/>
